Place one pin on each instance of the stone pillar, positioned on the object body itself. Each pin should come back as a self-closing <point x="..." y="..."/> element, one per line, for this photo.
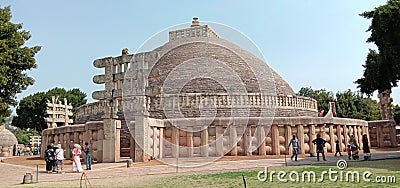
<point x="359" y="133"/>
<point x="379" y="135"/>
<point x="355" y="133"/>
<point x="61" y="140"/>
<point x="275" y="140"/>
<point x="204" y="142"/>
<point x="155" y="151"/>
<point x="322" y="133"/>
<point x="76" y="138"/>
<point x="312" y="136"/>
<point x="288" y="137"/>
<point x="300" y="137"/>
<point x="66" y="145"/>
<point x="393" y="140"/>
<point x="339" y="137"/>
<point x="132" y="146"/>
<point x="219" y="144"/>
<point x="233" y="140"/>
<point x="100" y="138"/>
<point x="90" y="135"/>
<point x="247" y="141"/>
<point x="111" y="142"/>
<point x="141" y="139"/>
<point x="345" y="134"/>
<point x="332" y="136"/>
<point x="161" y="142"/>
<point x="261" y="141"/>
<point x="175" y="142"/>
<point x="189" y="141"/>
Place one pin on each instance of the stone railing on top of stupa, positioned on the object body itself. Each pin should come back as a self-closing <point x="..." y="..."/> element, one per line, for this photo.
<point x="93" y="111"/>
<point x="224" y="100"/>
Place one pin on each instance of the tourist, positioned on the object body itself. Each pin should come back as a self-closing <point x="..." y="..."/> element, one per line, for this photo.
<point x="88" y="159"/>
<point x="15" y="150"/>
<point x="354" y="152"/>
<point x="35" y="150"/>
<point x="337" y="148"/>
<point x="19" y="151"/>
<point x="24" y="150"/>
<point x="28" y="150"/>
<point x="367" y="152"/>
<point x="76" y="163"/>
<point x="49" y="158"/>
<point x="32" y="150"/>
<point x="320" y="146"/>
<point x="348" y="151"/>
<point x="296" y="146"/>
<point x="60" y="159"/>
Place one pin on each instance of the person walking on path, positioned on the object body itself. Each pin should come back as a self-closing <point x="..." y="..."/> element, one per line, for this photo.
<point x="296" y="146"/>
<point x="15" y="150"/>
<point x="367" y="152"/>
<point x="49" y="158"/>
<point x="19" y="151"/>
<point x="320" y="146"/>
<point x="60" y="159"/>
<point x="88" y="159"/>
<point x="76" y="163"/>
<point x="337" y="148"/>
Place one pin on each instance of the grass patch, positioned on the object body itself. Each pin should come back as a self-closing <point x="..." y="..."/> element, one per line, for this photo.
<point x="382" y="168"/>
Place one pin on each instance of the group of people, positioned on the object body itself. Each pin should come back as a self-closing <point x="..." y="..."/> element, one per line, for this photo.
<point x="26" y="150"/>
<point x="54" y="157"/>
<point x="352" y="147"/>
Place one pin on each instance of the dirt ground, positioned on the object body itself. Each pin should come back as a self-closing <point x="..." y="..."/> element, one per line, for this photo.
<point x="32" y="161"/>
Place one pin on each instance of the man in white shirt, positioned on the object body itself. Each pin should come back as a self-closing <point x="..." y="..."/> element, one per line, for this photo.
<point x="59" y="153"/>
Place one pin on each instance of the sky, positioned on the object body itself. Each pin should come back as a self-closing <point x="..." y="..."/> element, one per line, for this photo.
<point x="310" y="43"/>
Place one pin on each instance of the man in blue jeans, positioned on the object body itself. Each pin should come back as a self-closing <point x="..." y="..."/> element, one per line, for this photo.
<point x="296" y="146"/>
<point x="88" y="152"/>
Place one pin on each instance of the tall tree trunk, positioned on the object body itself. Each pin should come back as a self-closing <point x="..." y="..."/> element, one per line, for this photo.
<point x="385" y="104"/>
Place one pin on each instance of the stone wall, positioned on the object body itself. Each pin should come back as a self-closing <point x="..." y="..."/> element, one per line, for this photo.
<point x="252" y="138"/>
<point x="382" y="133"/>
<point x="92" y="132"/>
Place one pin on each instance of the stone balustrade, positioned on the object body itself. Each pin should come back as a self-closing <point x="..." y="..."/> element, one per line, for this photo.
<point x="223" y="100"/>
<point x="91" y="111"/>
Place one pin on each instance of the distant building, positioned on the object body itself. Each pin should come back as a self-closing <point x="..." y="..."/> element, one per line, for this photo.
<point x="35" y="140"/>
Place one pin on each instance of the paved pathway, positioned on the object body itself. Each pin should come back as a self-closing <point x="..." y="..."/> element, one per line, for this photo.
<point x="13" y="174"/>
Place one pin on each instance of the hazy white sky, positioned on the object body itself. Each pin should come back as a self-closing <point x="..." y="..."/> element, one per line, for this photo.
<point x="309" y="43"/>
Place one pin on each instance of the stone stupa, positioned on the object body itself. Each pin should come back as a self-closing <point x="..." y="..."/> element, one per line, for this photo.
<point x="7" y="141"/>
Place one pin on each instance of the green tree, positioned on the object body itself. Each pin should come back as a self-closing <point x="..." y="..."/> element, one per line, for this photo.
<point x="31" y="110"/>
<point x="322" y="96"/>
<point x="15" y="60"/>
<point x="382" y="68"/>
<point x="348" y="103"/>
<point x="351" y="105"/>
